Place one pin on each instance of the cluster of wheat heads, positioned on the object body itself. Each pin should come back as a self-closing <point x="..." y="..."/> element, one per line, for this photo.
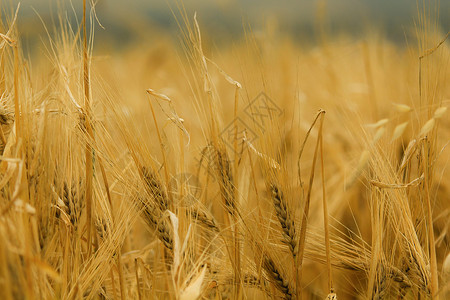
<point x="112" y="190"/>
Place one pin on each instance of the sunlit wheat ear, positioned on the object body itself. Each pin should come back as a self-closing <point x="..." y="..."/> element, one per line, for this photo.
<point x="227" y="187"/>
<point x="155" y="188"/>
<point x="379" y="133"/>
<point x="159" y="222"/>
<point x="440" y="112"/>
<point x="402" y="108"/>
<point x="398" y="131"/>
<point x="277" y="278"/>
<point x="378" y="124"/>
<point x="427" y="127"/>
<point x="204" y="218"/>
<point x="72" y="202"/>
<point x="153" y="206"/>
<point x="285" y="218"/>
<point x="408" y="154"/>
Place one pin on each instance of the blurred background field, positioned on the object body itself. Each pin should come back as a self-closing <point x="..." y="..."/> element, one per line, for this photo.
<point x="136" y="21"/>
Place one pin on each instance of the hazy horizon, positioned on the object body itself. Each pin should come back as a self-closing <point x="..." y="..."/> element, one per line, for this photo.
<point x="225" y="19"/>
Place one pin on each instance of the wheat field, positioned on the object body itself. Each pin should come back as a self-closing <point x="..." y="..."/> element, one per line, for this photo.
<point x="265" y="169"/>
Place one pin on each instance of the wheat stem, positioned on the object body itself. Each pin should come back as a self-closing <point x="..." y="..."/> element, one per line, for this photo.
<point x="431" y="241"/>
<point x="302" y="237"/>
<point x="90" y="134"/>
<point x="325" y="216"/>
